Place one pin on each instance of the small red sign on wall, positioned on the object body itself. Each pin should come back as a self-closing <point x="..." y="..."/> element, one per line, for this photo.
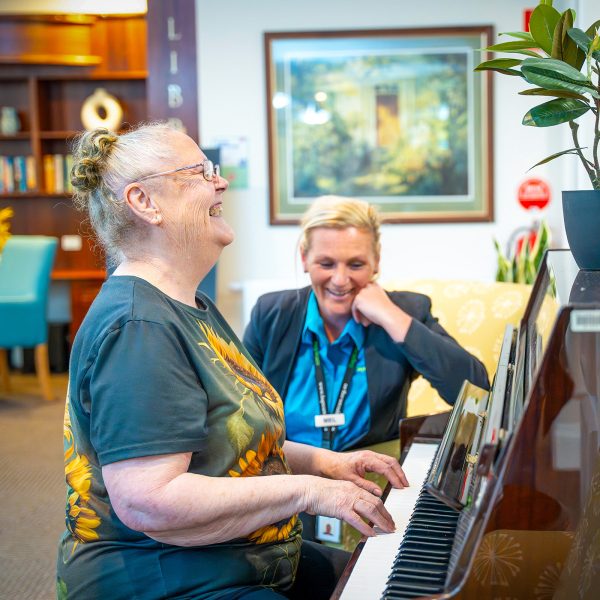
<point x="534" y="193"/>
<point x="526" y="16"/>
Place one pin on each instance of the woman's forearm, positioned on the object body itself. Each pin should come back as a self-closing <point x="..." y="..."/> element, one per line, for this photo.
<point x="157" y="495"/>
<point x="198" y="510"/>
<point x="307" y="460"/>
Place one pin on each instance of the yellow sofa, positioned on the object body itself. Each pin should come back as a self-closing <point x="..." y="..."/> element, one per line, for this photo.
<point x="475" y="314"/>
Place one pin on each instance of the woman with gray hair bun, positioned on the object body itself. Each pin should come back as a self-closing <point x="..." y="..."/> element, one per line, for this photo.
<point x="180" y="483"/>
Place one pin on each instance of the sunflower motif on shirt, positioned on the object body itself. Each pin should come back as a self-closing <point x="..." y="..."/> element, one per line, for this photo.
<point x="81" y="520"/>
<point x="268" y="459"/>
<point x="231" y="359"/>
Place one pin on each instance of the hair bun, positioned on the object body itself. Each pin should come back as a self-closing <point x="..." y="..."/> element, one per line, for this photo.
<point x="91" y="152"/>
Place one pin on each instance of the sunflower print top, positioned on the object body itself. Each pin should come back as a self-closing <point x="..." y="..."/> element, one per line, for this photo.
<point x="149" y="376"/>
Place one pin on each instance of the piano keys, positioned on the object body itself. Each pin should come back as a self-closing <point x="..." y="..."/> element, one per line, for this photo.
<point x="505" y="509"/>
<point x="370" y="575"/>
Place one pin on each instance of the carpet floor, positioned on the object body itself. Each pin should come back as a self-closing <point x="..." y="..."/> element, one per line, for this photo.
<point x="32" y="488"/>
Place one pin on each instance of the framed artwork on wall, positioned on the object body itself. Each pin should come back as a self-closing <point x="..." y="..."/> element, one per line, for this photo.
<point x="396" y="117"/>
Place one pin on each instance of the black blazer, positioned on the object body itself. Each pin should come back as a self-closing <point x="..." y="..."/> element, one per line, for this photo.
<point x="273" y="338"/>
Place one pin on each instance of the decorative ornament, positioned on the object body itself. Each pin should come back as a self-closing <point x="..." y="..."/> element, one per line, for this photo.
<point x="101" y="110"/>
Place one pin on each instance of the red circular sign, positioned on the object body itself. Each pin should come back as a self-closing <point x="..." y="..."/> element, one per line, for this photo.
<point x="534" y="193"/>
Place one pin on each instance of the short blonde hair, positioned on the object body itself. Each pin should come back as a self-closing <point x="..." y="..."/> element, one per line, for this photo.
<point x="337" y="212"/>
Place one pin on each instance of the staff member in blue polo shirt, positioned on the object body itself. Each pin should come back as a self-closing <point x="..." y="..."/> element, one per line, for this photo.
<point x="343" y="352"/>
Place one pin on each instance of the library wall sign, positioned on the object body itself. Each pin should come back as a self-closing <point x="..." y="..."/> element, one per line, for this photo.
<point x="172" y="88"/>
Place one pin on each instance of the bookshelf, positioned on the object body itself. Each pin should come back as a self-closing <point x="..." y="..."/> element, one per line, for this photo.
<point x="49" y="64"/>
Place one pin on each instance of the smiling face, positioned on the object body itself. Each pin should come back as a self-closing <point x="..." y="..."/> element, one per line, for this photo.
<point x="192" y="206"/>
<point x="340" y="263"/>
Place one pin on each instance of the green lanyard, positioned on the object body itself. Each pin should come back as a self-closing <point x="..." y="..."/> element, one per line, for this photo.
<point x="328" y="432"/>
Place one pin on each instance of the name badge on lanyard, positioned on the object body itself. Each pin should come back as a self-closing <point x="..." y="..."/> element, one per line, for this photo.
<point x="330" y="420"/>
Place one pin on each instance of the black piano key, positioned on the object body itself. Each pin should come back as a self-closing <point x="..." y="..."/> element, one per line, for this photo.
<point x="437" y="534"/>
<point x="400" y="578"/>
<point x="424" y="571"/>
<point x="409" y="555"/>
<point x="422" y="588"/>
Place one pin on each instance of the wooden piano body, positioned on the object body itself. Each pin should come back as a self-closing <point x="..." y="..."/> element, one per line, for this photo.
<point x="532" y="529"/>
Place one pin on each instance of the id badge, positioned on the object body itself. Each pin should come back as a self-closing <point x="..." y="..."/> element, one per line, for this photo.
<point x="328" y="529"/>
<point x="330" y="420"/>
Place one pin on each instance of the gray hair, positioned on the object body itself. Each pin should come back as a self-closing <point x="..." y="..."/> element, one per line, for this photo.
<point x="104" y="163"/>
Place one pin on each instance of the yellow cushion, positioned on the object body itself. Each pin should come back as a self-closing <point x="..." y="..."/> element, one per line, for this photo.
<point x="475" y="314"/>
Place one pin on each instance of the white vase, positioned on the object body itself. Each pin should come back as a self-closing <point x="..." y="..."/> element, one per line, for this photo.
<point x="9" y="121"/>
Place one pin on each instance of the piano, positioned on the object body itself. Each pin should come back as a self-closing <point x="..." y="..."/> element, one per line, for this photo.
<point x="504" y="499"/>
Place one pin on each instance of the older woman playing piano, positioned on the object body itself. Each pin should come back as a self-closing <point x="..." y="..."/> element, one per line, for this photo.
<point x="180" y="483"/>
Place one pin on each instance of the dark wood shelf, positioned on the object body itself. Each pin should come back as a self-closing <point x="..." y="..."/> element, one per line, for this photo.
<point x="97" y="76"/>
<point x="58" y="135"/>
<point x="21" y="135"/>
<point x="79" y="275"/>
<point x="47" y="71"/>
<point x="32" y="194"/>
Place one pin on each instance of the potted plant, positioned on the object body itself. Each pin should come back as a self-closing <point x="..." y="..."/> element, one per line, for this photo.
<point x="524" y="256"/>
<point x="562" y="62"/>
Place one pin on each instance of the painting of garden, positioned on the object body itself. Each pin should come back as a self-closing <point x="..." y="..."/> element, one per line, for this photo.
<point x="394" y="124"/>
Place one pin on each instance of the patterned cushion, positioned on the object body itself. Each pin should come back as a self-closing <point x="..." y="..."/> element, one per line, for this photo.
<point x="473" y="313"/>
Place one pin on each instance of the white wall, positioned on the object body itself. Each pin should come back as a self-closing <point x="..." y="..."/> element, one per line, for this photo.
<point x="232" y="102"/>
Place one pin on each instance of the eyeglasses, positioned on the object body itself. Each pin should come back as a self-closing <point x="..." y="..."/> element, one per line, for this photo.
<point x="209" y="171"/>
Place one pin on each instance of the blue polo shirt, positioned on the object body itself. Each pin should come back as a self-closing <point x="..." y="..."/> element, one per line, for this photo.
<point x="302" y="400"/>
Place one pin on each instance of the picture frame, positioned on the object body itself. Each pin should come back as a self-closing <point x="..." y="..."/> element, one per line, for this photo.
<point x="396" y="117"/>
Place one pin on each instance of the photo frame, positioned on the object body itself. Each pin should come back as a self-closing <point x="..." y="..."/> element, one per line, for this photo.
<point x="397" y="117"/>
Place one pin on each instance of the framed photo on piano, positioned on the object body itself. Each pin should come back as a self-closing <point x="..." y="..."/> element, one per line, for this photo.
<point x="397" y="117"/>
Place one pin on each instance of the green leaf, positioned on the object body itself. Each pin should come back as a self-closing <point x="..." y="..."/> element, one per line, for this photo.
<point x="593" y="28"/>
<point x="542" y="25"/>
<point x="502" y="65"/>
<point x="516" y="47"/>
<point x="553" y="156"/>
<point x="504" y="268"/>
<point x="542" y="241"/>
<point x="239" y="431"/>
<point x="522" y="35"/>
<point x="595" y="47"/>
<point x="555" y="112"/>
<point x="554" y="74"/>
<point x="590" y="32"/>
<point x="553" y="93"/>
<point x="563" y="47"/>
<point x="582" y="39"/>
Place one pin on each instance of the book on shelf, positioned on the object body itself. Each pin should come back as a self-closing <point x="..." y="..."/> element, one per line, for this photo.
<point x="30" y="174"/>
<point x="48" y="169"/>
<point x="59" y="173"/>
<point x="68" y="167"/>
<point x="20" y="176"/>
<point x="8" y="175"/>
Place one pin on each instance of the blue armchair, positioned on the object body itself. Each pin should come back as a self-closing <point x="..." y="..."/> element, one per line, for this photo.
<point x="25" y="266"/>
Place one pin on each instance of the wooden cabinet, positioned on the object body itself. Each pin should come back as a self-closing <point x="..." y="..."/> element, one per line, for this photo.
<point x="48" y="66"/>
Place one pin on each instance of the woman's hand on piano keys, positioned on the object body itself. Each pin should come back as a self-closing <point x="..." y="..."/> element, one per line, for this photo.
<point x="362" y="499"/>
<point x="346" y="501"/>
<point x="352" y="466"/>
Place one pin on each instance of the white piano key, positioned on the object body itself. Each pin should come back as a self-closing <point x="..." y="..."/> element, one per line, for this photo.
<point x="369" y="576"/>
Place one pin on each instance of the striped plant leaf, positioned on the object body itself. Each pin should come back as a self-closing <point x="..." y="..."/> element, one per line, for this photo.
<point x="555" y="112"/>
<point x="554" y="74"/>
